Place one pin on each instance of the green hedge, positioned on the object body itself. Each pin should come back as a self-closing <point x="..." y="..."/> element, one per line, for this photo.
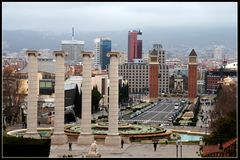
<point x="192" y="124"/>
<point x="176" y="123"/>
<point x="25" y="147"/>
<point x="178" y="119"/>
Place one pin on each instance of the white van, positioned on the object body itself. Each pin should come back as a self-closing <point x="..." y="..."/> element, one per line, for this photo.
<point x="176" y="106"/>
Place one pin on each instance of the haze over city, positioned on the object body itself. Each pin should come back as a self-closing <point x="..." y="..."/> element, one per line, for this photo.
<point x="173" y="24"/>
<point x="110" y="16"/>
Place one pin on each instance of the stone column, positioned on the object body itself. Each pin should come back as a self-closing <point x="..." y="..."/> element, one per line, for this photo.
<point x="32" y="106"/>
<point x="59" y="136"/>
<point x="86" y="136"/>
<point x="113" y="138"/>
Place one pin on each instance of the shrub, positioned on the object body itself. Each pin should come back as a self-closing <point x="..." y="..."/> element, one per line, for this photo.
<point x="176" y="123"/>
<point x="192" y="123"/>
<point x="25" y="147"/>
<point x="178" y="119"/>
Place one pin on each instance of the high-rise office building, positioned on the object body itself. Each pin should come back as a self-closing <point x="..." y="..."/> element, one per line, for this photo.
<point x="73" y="48"/>
<point x="161" y="53"/>
<point x="143" y="78"/>
<point x="139" y="49"/>
<point x="103" y="45"/>
<point x="97" y="52"/>
<point x="134" y="45"/>
<point x="163" y="73"/>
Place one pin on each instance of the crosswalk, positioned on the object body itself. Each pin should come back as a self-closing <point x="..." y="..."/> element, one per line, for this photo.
<point x="158" y="112"/>
<point x="147" y="121"/>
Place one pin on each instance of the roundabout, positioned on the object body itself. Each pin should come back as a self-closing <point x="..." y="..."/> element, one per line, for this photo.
<point x="125" y="130"/>
<point x="100" y="130"/>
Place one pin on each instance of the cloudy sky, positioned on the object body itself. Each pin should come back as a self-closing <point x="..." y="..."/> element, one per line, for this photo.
<point x="110" y="16"/>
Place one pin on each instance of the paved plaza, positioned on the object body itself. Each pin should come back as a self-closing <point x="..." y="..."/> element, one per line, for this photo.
<point x="133" y="150"/>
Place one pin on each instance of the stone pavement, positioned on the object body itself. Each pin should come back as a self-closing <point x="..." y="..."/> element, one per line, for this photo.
<point x="133" y="150"/>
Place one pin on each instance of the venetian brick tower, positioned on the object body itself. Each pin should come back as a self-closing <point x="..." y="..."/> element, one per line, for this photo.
<point x="113" y="138"/>
<point x="59" y="136"/>
<point x="153" y="77"/>
<point x="86" y="136"/>
<point x="32" y="94"/>
<point x="192" y="76"/>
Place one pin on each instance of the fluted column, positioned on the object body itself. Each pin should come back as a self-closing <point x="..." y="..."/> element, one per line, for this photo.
<point x="32" y="94"/>
<point x="113" y="137"/>
<point x="59" y="136"/>
<point x="86" y="136"/>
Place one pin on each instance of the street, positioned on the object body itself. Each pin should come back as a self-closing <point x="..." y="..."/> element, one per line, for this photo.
<point x="160" y="113"/>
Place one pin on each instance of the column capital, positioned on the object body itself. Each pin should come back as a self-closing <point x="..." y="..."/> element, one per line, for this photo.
<point x="116" y="54"/>
<point x="59" y="53"/>
<point x="32" y="52"/>
<point x="87" y="53"/>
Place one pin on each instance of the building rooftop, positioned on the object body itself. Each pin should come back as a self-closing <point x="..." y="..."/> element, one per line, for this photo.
<point x="215" y="148"/>
<point x="193" y="53"/>
<point x="69" y="86"/>
<point x="43" y="66"/>
<point x="72" y="42"/>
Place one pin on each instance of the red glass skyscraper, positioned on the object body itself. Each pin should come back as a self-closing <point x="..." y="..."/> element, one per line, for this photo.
<point x="134" y="45"/>
<point x="139" y="48"/>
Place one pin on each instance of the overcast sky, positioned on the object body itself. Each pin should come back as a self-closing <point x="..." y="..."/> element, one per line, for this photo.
<point x="110" y="16"/>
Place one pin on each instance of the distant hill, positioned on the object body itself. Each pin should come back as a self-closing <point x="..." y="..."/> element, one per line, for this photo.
<point x="15" y="41"/>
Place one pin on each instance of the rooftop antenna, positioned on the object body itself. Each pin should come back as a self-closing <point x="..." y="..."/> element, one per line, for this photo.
<point x="72" y="33"/>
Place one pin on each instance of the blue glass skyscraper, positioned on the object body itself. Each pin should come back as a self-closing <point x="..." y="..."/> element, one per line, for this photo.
<point x="105" y="47"/>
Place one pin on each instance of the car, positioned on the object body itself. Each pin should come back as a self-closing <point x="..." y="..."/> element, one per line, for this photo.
<point x="162" y="125"/>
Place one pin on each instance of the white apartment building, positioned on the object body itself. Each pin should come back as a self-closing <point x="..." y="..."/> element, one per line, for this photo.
<point x="73" y="49"/>
<point x="97" y="51"/>
<point x="137" y="75"/>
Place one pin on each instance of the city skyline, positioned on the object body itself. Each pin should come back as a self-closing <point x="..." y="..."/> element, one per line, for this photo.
<point x="86" y="16"/>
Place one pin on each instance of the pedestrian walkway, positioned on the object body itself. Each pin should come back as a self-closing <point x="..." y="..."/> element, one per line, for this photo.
<point x="133" y="150"/>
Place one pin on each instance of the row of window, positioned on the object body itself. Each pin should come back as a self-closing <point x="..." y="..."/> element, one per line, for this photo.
<point x="143" y="85"/>
<point x="142" y="90"/>
<point x="133" y="77"/>
<point x="143" y="79"/>
<point x="126" y="74"/>
<point x="134" y="67"/>
<point x="140" y="72"/>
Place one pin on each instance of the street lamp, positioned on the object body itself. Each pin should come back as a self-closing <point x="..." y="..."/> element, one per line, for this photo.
<point x="177" y="148"/>
<point x="180" y="148"/>
<point x="206" y="123"/>
<point x="179" y="142"/>
<point x="23" y="112"/>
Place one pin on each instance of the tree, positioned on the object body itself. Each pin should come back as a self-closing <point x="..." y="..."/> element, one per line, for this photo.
<point x="78" y="103"/>
<point x="126" y="92"/>
<point x="120" y="93"/>
<point x="96" y="97"/>
<point x="12" y="98"/>
<point x="223" y="124"/>
<point x="171" y="82"/>
<point x="123" y="92"/>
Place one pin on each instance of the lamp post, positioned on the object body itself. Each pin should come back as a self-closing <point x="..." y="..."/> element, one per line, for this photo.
<point x="180" y="148"/>
<point x="200" y="144"/>
<point x="205" y="126"/>
<point x="177" y="148"/>
<point x="23" y="111"/>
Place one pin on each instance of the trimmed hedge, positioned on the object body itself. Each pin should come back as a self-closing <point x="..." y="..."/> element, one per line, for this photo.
<point x="25" y="147"/>
<point x="192" y="124"/>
